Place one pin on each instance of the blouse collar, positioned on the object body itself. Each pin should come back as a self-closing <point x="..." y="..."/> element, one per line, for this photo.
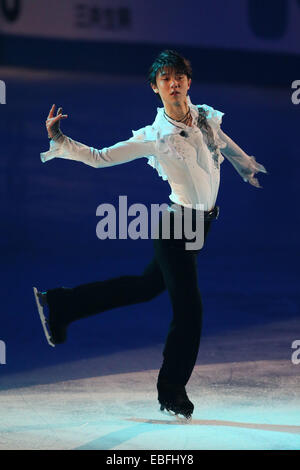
<point x="173" y="126"/>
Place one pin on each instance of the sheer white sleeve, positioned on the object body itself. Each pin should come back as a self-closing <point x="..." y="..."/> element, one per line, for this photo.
<point x="122" y="152"/>
<point x="246" y="165"/>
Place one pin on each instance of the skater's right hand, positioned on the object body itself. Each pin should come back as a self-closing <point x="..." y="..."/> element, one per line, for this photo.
<point x="52" y="123"/>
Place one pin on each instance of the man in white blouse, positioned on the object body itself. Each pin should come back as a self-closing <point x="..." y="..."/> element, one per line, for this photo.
<point x="184" y="145"/>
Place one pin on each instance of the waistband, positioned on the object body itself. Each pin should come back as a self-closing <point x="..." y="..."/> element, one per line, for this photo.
<point x="208" y="215"/>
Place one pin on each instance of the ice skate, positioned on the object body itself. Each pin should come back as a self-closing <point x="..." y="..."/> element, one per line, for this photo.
<point x="173" y="398"/>
<point x="55" y="330"/>
<point x="41" y="306"/>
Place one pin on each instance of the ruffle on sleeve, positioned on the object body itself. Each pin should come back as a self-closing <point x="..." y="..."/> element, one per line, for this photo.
<point x="146" y="134"/>
<point x="56" y="150"/>
<point x="213" y="115"/>
<point x="161" y="147"/>
<point x="214" y="118"/>
<point x="149" y="133"/>
<point x="152" y="161"/>
<point x="247" y="168"/>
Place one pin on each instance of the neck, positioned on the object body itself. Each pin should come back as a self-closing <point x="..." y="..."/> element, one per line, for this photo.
<point x="176" y="110"/>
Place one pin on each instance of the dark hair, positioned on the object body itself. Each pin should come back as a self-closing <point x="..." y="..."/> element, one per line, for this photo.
<point x="172" y="59"/>
<point x="180" y="64"/>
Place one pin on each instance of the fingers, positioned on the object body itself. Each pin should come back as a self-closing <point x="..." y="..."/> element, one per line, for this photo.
<point x="57" y="117"/>
<point x="52" y="122"/>
<point x="50" y="115"/>
<point x="51" y="112"/>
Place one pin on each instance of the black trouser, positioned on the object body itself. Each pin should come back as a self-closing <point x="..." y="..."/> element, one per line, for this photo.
<point x="174" y="268"/>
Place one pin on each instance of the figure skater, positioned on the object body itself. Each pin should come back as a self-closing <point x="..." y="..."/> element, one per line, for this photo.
<point x="184" y="145"/>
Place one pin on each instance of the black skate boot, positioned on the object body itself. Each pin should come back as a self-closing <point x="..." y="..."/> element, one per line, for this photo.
<point x="54" y="324"/>
<point x="173" y="397"/>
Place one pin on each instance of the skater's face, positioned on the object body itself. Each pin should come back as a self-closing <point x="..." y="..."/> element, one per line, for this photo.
<point x="172" y="86"/>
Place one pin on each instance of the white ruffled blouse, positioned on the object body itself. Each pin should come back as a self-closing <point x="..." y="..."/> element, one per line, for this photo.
<point x="179" y="153"/>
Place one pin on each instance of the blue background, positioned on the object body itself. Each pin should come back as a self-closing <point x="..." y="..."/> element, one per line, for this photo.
<point x="248" y="270"/>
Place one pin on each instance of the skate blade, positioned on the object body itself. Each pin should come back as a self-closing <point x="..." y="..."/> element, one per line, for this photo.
<point x="179" y="416"/>
<point x="42" y="317"/>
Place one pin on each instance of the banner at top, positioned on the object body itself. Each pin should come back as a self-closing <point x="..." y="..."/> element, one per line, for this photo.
<point x="264" y="25"/>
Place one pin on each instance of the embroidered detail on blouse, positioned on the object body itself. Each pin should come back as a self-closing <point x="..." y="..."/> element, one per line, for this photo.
<point x="209" y="121"/>
<point x="168" y="137"/>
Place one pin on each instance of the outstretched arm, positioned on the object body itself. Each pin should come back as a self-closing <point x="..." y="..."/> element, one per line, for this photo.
<point x="62" y="146"/>
<point x="246" y="165"/>
<point x="122" y="152"/>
